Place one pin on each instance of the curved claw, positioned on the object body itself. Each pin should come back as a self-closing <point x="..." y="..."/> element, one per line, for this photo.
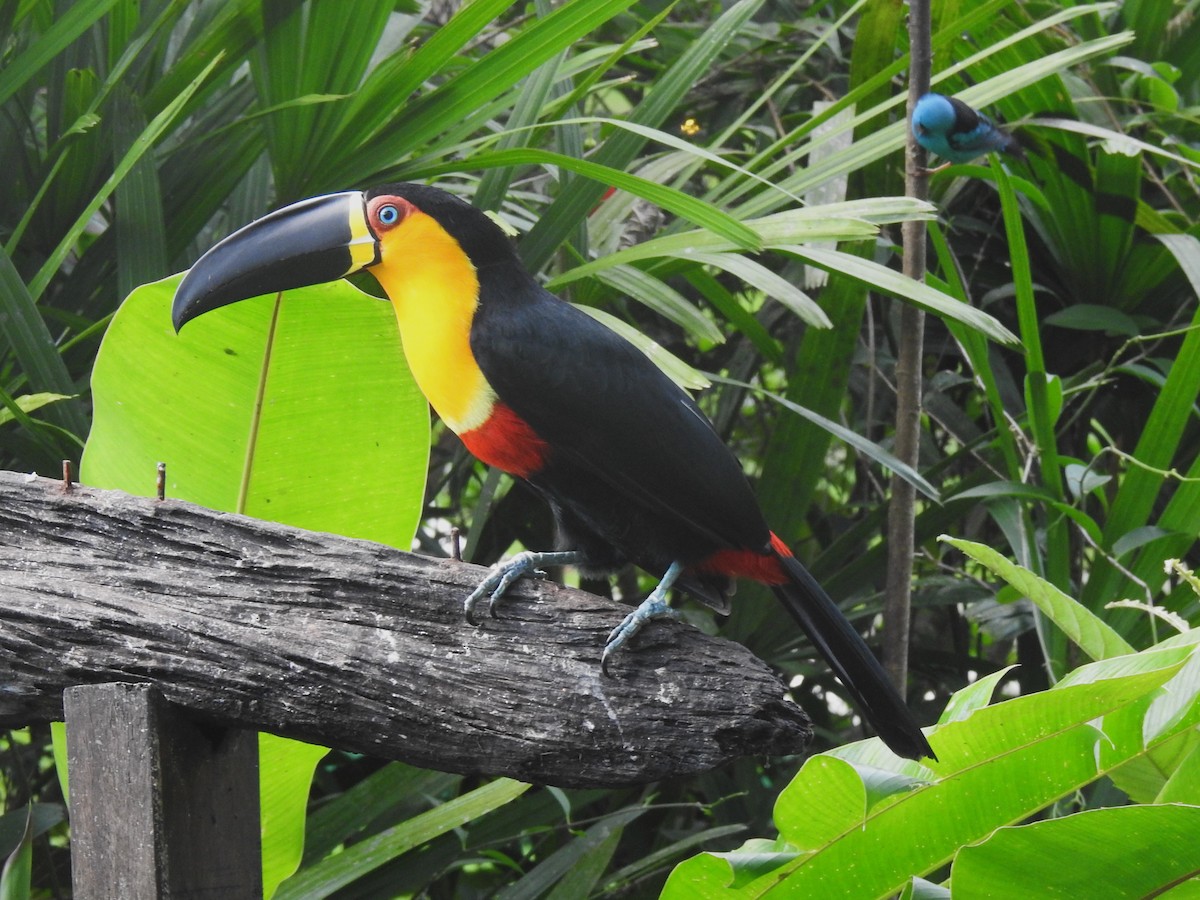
<point x="653" y="607"/>
<point x="503" y="574"/>
<point x="495" y="584"/>
<point x="928" y="171"/>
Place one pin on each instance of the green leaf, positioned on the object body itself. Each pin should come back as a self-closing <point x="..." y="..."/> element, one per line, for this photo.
<point x="1092" y="634"/>
<point x="848" y="791"/>
<point x="1144" y="777"/>
<point x="1183" y="785"/>
<point x="285" y="777"/>
<point x="406" y="72"/>
<point x="686" y="244"/>
<point x="74" y="20"/>
<point x="1045" y="391"/>
<point x="1010" y="489"/>
<point x="300" y="411"/>
<point x="141" y="230"/>
<point x="1125" y="142"/>
<point x="695" y="211"/>
<point x="30" y="403"/>
<point x="867" y="447"/>
<point x="780" y="231"/>
<point x="1139" y="537"/>
<point x="26" y="332"/>
<point x="1039" y="747"/>
<point x="831" y="222"/>
<point x="465" y="96"/>
<point x="229" y="30"/>
<point x="137" y="149"/>
<point x="736" y="312"/>
<point x="36" y="819"/>
<point x="537" y="89"/>
<point x="581" y="878"/>
<point x="685" y="148"/>
<point x="1178" y="697"/>
<point x="17" y="874"/>
<point x="576" y="866"/>
<point x="388" y="792"/>
<point x="652" y="862"/>
<point x="1082" y="480"/>
<point x="296" y="408"/>
<point x="1130" y="851"/>
<point x="674" y="367"/>
<point x="891" y="138"/>
<point x="889" y="281"/>
<point x="974" y="696"/>
<point x="1090" y="317"/>
<point x="58" y="746"/>
<point x="339" y="870"/>
<point x="663" y="299"/>
<point x="619" y="150"/>
<point x="719" y="875"/>
<point x="1158" y="445"/>
<point x="759" y="276"/>
<point x="310" y="49"/>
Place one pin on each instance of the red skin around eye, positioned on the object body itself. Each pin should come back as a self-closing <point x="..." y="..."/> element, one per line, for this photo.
<point x="403" y="210"/>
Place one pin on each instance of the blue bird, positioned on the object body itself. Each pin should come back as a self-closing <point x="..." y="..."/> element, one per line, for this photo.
<point x="955" y="132"/>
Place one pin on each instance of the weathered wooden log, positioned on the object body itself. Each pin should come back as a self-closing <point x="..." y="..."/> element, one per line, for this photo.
<point x="355" y="645"/>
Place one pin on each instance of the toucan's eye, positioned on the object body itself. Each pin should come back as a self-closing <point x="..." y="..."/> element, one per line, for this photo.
<point x="388" y="215"/>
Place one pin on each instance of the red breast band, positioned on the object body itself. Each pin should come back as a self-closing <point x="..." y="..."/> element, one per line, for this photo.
<point x="507" y="442"/>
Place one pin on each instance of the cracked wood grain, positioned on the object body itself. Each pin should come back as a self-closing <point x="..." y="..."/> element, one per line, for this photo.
<point x="355" y="645"/>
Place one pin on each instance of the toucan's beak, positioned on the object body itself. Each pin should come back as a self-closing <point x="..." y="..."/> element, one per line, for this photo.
<point x="311" y="242"/>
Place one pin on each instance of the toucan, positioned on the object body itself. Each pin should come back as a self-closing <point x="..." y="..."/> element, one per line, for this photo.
<point x="631" y="468"/>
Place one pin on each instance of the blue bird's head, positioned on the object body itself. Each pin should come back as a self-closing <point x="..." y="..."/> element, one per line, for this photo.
<point x="933" y="114"/>
<point x="955" y="132"/>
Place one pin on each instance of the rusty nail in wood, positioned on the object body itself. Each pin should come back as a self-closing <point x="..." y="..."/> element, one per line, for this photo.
<point x="67" y="479"/>
<point x="456" y="544"/>
<point x="160" y="481"/>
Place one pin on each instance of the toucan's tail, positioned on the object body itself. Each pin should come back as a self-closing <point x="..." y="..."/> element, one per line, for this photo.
<point x="848" y="656"/>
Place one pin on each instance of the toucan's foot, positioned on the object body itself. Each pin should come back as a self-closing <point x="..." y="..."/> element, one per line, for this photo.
<point x="503" y="574"/>
<point x="653" y="607"/>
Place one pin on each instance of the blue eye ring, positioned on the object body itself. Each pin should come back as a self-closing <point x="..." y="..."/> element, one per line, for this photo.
<point x="388" y="215"/>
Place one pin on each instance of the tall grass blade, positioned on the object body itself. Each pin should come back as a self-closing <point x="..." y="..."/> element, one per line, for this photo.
<point x="26" y="333"/>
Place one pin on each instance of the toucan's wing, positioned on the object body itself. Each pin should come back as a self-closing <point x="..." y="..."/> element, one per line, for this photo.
<point x="597" y="399"/>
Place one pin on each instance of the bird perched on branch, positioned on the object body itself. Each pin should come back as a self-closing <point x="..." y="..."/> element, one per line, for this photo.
<point x="956" y="132"/>
<point x="628" y="463"/>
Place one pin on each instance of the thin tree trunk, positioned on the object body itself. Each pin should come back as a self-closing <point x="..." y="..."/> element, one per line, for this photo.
<point x="897" y="611"/>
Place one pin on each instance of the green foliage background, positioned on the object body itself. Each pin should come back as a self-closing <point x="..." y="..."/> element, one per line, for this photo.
<point x="135" y="134"/>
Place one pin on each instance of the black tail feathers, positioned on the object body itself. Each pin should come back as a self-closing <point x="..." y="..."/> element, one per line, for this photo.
<point x="1014" y="146"/>
<point x="852" y="662"/>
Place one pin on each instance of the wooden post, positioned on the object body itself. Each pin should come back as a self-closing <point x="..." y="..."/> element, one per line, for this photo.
<point x="161" y="808"/>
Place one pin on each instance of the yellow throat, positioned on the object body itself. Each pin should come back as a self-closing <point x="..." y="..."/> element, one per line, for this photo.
<point x="435" y="292"/>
